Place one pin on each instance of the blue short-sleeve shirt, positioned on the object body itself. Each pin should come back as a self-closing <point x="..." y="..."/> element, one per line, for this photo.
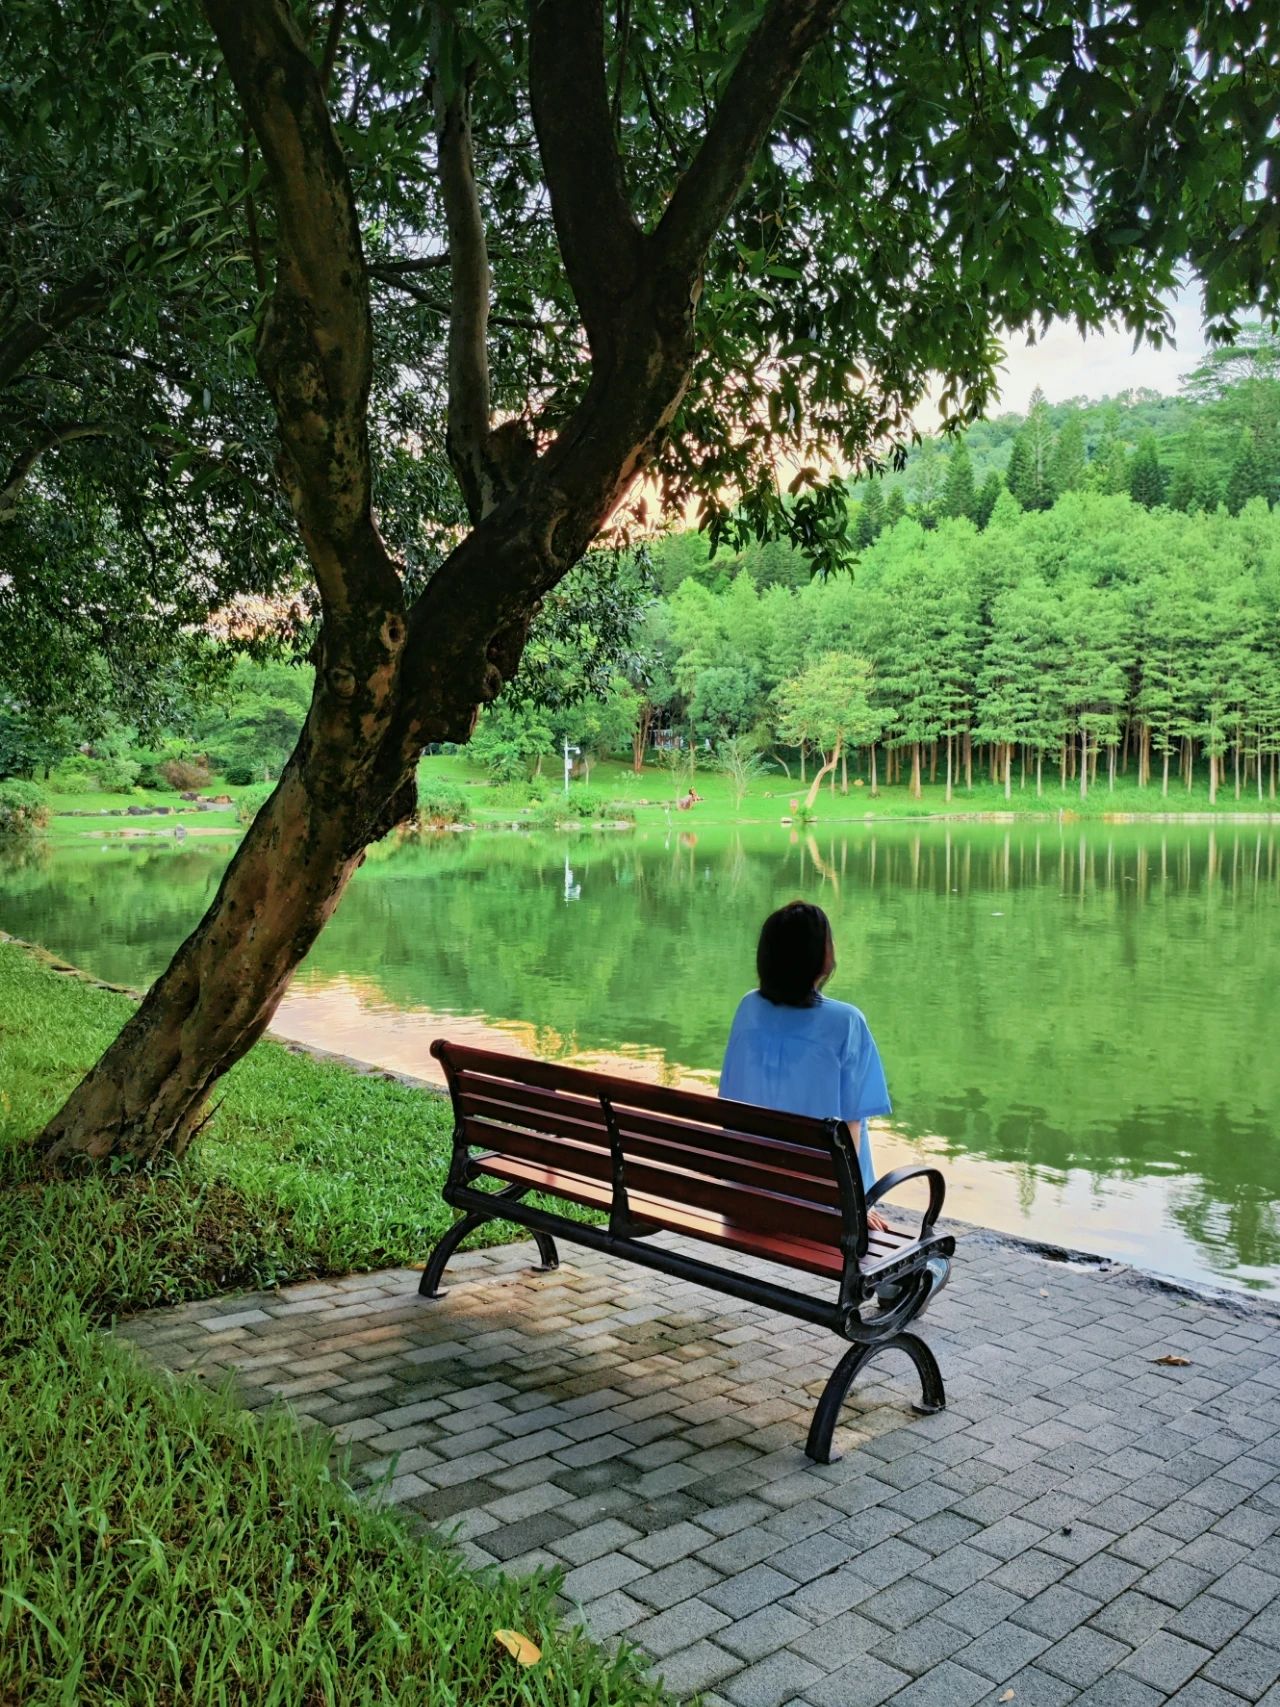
<point x="821" y="1061"/>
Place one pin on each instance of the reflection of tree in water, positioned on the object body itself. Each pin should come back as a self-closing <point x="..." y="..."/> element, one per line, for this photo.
<point x="1059" y="998"/>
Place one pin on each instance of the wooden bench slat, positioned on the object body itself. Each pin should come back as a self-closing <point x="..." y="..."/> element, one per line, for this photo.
<point x="574" y="1116"/>
<point x="787" y="1248"/>
<point x="693" y="1147"/>
<point x="742" y="1204"/>
<point x="796" y="1129"/>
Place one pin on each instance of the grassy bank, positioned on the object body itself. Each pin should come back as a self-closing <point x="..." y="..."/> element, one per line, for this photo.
<point x="157" y="1546"/>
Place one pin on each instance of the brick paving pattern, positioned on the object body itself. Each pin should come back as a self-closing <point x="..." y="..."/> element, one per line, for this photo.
<point x="1081" y="1524"/>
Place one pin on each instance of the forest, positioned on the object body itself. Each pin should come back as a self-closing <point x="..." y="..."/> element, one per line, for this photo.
<point x="1088" y="591"/>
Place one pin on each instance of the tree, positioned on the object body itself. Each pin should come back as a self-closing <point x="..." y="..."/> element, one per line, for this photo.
<point x="1146" y="477"/>
<point x="1030" y="477"/>
<point x="1067" y="466"/>
<point x="959" y="496"/>
<point x="741" y="763"/>
<point x="988" y="495"/>
<point x="895" y="507"/>
<point x="1246" y="479"/>
<point x="870" y="517"/>
<point x="830" y="704"/>
<point x="678" y="285"/>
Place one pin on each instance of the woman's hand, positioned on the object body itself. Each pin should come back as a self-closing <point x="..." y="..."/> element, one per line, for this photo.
<point x="877" y="1223"/>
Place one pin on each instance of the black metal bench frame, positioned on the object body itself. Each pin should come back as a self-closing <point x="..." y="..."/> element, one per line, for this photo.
<point x="854" y="1313"/>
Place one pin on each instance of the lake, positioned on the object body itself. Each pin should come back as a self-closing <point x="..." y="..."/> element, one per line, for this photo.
<point x="1081" y="1023"/>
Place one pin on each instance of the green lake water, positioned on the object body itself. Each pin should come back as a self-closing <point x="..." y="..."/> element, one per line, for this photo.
<point x="1082" y="1023"/>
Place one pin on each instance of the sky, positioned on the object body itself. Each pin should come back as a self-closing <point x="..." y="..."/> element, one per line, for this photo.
<point x="1066" y="365"/>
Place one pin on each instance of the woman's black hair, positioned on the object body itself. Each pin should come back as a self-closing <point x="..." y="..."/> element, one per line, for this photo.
<point x="792" y="953"/>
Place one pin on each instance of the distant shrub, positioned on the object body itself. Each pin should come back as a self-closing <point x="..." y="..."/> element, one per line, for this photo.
<point x="117" y="775"/>
<point x="23" y="808"/>
<point x="239" y="773"/>
<point x="581" y="805"/>
<point x="525" y="791"/>
<point x="252" y="801"/>
<point x="76" y="775"/>
<point x="440" y="803"/>
<point x="185" y="775"/>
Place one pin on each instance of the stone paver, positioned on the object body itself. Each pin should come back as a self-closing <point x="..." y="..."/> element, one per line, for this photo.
<point x="1082" y="1525"/>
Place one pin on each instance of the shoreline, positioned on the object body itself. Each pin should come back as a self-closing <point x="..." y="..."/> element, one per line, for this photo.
<point x="1238" y="1300"/>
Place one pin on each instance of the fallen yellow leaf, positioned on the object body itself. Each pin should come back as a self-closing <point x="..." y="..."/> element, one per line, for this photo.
<point x="1172" y="1361"/>
<point x="520" y="1648"/>
<point x="1009" y="1695"/>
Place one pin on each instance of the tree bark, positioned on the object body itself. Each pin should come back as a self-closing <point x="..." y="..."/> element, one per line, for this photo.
<point x="916" y="789"/>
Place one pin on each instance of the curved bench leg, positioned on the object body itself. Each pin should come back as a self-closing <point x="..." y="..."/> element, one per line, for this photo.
<point x="933" y="1393"/>
<point x="550" y="1256"/>
<point x="429" y="1285"/>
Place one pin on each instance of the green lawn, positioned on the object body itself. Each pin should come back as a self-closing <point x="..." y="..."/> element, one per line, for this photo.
<point x="156" y="1544"/>
<point x="651" y="795"/>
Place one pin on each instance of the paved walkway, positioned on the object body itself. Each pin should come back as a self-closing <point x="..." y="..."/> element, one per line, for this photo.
<point x="1082" y="1524"/>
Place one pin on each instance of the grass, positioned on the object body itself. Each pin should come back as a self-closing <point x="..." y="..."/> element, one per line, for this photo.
<point x="158" y="1545"/>
<point x="652" y="792"/>
<point x="651" y="795"/>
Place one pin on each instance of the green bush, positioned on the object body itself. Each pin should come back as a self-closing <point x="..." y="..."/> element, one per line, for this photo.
<point x="23" y="809"/>
<point x="582" y="806"/>
<point x="252" y="801"/>
<point x="239" y="773"/>
<point x="440" y="803"/>
<point x="76" y="775"/>
<point x="525" y="791"/>
<point x="117" y="775"/>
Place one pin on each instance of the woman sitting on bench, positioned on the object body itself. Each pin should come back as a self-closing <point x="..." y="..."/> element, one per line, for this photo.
<point x="796" y="1050"/>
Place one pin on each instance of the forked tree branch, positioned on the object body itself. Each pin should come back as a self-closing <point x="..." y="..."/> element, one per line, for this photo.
<point x="601" y="243"/>
<point x="315" y="350"/>
<point x="85" y="296"/>
<point x="744" y="115"/>
<point x="65" y="433"/>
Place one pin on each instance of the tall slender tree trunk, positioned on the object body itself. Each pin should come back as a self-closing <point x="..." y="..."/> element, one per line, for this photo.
<point x="803" y="750"/>
<point x="1084" y="763"/>
<point x="826" y="769"/>
<point x="1111" y="769"/>
<point x="968" y="760"/>
<point x="933" y="761"/>
<point x="1039" y="778"/>
<point x="875" y="786"/>
<point x="844" y="773"/>
<point x="1062" y="765"/>
<point x="950" y="758"/>
<point x="1213" y="776"/>
<point x="1008" y="770"/>
<point x="916" y="789"/>
<point x="1164" y="779"/>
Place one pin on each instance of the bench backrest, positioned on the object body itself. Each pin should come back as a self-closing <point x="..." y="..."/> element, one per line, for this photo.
<point x="756" y="1167"/>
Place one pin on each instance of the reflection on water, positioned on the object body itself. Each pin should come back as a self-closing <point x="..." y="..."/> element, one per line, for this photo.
<point x="1079" y="1020"/>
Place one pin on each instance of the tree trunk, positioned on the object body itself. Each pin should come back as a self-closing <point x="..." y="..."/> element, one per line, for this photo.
<point x="1008" y="770"/>
<point x="968" y="760"/>
<point x="827" y="768"/>
<point x="916" y="789"/>
<point x="844" y="773"/>
<point x="640" y="736"/>
<point x="803" y="750"/>
<point x="1084" y="763"/>
<point x="950" y="746"/>
<point x="875" y="787"/>
<point x="1111" y="769"/>
<point x="1039" y="772"/>
<point x="1062" y="768"/>
<point x="933" y="761"/>
<point x="1213" y="776"/>
<point x="1164" y="778"/>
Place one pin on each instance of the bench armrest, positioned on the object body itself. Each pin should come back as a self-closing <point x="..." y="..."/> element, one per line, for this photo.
<point x="890" y="1182"/>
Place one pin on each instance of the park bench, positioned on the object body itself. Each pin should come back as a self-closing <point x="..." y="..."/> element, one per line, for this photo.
<point x="782" y="1187"/>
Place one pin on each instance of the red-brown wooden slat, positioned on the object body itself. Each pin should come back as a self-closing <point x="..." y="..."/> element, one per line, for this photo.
<point x="474" y="1091"/>
<point x="763" y="1163"/>
<point x="780" y="1247"/>
<point x="768" y="1211"/>
<point x="635" y="1093"/>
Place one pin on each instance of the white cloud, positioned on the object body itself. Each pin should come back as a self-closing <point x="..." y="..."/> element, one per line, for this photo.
<point x="1064" y="365"/>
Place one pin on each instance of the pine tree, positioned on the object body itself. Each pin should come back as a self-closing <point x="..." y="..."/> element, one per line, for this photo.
<point x="1109" y="470"/>
<point x="895" y="507"/>
<point x="1193" y="486"/>
<point x="1067" y="463"/>
<point x="1146" y="477"/>
<point x="1246" y="479"/>
<point x="870" y="517"/>
<point x="959" y="494"/>
<point x="987" y="498"/>
<point x="1029" y="478"/>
